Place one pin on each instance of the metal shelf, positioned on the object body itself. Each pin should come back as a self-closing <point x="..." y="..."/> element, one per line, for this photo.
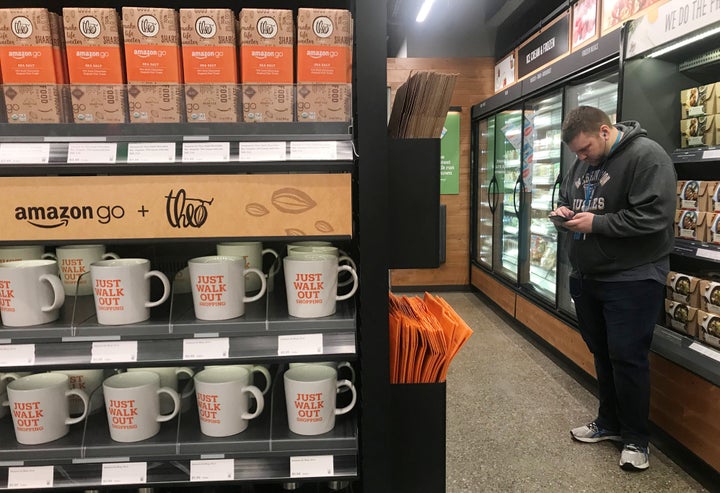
<point x="697" y="250"/>
<point x="688" y="353"/>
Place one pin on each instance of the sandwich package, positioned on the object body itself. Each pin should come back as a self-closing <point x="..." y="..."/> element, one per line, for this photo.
<point x="694" y="195"/>
<point x="709" y="328"/>
<point x="683" y="289"/>
<point x="681" y="317"/>
<point x="690" y="225"/>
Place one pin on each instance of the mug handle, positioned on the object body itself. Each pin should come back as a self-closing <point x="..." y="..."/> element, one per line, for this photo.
<point x="355" y="282"/>
<point x="166" y="288"/>
<point x="348" y="384"/>
<point x="263" y="371"/>
<point x="108" y="255"/>
<point x="176" y="400"/>
<point x="272" y="272"/>
<point x="351" y="263"/>
<point x="258" y="398"/>
<point x="263" y="286"/>
<point x="51" y="256"/>
<point x="190" y="388"/>
<point x="346" y="364"/>
<point x="57" y="287"/>
<point x="86" y="405"/>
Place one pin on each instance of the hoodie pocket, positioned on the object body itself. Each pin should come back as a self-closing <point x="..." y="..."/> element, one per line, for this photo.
<point x="588" y="256"/>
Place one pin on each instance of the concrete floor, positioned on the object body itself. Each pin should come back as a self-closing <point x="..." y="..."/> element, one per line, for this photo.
<point x="509" y="412"/>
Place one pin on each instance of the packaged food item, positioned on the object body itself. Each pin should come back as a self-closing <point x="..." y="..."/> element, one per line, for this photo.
<point x="95" y="63"/>
<point x="209" y="64"/>
<point x="681" y="317"/>
<point x="709" y="328"/>
<point x="710" y="296"/>
<point x="267" y="38"/>
<point x="324" y="65"/>
<point x="693" y="195"/>
<point x="29" y="65"/>
<point x="153" y="63"/>
<point x="683" y="289"/>
<point x="698" y="131"/>
<point x="698" y="101"/>
<point x="690" y="225"/>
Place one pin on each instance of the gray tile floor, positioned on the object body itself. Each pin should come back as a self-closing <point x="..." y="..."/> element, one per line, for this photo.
<point x="509" y="412"/>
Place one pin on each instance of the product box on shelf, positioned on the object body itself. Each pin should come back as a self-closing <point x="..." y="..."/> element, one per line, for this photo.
<point x="267" y="40"/>
<point x="324" y="65"/>
<point x="690" y="225"/>
<point x="709" y="328"/>
<point x="29" y="67"/>
<point x="702" y="100"/>
<point x="681" y="317"/>
<point x="210" y="66"/>
<point x="94" y="52"/>
<point x="713" y="197"/>
<point x="154" y="64"/>
<point x="698" y="131"/>
<point x="712" y="224"/>
<point x="694" y="194"/>
<point x="683" y="289"/>
<point x="710" y="296"/>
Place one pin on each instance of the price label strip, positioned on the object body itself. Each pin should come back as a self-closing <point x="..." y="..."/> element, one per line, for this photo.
<point x="312" y="466"/>
<point x="17" y="354"/>
<point x="206" y="152"/>
<point x="300" y="344"/>
<point x="114" y="352"/>
<point x="262" y="151"/>
<point x="124" y="473"/>
<point x="212" y="470"/>
<point x="707" y="253"/>
<point x="31" y="477"/>
<point x="710" y="353"/>
<point x="155" y="152"/>
<point x="215" y="348"/>
<point x="24" y="153"/>
<point x="79" y="152"/>
<point x="313" y="151"/>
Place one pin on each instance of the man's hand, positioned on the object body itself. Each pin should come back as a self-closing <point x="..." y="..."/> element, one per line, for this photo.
<point x="562" y="211"/>
<point x="580" y="222"/>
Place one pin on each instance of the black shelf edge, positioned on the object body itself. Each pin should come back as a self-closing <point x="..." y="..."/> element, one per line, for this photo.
<point x="678" y="349"/>
<point x="709" y="154"/>
<point x="698" y="250"/>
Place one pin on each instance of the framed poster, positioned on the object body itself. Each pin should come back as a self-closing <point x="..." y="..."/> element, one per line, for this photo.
<point x="544" y="47"/>
<point x="505" y="72"/>
<point x="585" y="25"/>
<point x="615" y="12"/>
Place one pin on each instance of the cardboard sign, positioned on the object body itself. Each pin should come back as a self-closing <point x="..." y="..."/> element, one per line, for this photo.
<point x="545" y="46"/>
<point x="176" y="206"/>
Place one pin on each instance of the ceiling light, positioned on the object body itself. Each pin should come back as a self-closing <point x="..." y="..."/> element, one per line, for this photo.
<point x="684" y="42"/>
<point x="424" y="10"/>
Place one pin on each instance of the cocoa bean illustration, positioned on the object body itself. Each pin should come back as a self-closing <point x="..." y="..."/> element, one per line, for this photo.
<point x="257" y="210"/>
<point x="292" y="201"/>
<point x="324" y="227"/>
<point x="294" y="232"/>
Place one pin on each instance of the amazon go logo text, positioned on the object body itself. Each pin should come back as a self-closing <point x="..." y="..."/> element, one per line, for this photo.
<point x="55" y="216"/>
<point x="90" y="27"/>
<point x="267" y="27"/>
<point x="22" y="27"/>
<point x="148" y="26"/>
<point x="323" y="27"/>
<point x="205" y="27"/>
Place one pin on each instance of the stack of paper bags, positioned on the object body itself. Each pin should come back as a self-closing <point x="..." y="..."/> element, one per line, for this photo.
<point x="425" y="335"/>
<point x="421" y="105"/>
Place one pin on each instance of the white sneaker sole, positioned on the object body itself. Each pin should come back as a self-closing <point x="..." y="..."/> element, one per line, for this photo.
<point x="627" y="466"/>
<point x="614" y="438"/>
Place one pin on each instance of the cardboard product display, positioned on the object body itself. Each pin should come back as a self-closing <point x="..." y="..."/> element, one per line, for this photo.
<point x="28" y="62"/>
<point x="95" y="62"/>
<point x="60" y="60"/>
<point x="324" y="64"/>
<point x="712" y="226"/>
<point x="681" y="317"/>
<point x="690" y="225"/>
<point x="267" y="71"/>
<point x="714" y="197"/>
<point x="709" y="328"/>
<point x="698" y="101"/>
<point x="693" y="195"/>
<point x="683" y="289"/>
<point x="210" y="65"/>
<point x="154" y="64"/>
<point x="710" y="296"/>
<point x="698" y="131"/>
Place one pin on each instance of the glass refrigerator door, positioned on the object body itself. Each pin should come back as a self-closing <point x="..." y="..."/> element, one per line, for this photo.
<point x="508" y="141"/>
<point x="541" y="166"/>
<point x="487" y="189"/>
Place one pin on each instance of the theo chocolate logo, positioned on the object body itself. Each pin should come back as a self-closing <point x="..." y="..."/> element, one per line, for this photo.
<point x="90" y="27"/>
<point x="186" y="212"/>
<point x="323" y="27"/>
<point x="148" y="26"/>
<point x="22" y="27"/>
<point x="205" y="27"/>
<point x="267" y="27"/>
<point x="56" y="216"/>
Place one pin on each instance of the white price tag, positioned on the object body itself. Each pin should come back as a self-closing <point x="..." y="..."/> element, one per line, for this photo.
<point x="712" y="154"/>
<point x="312" y="466"/>
<point x="262" y="151"/>
<point x="711" y="254"/>
<point x="124" y="473"/>
<point x="215" y="348"/>
<point x="30" y="477"/>
<point x="300" y="344"/>
<point x="24" y="153"/>
<point x="114" y="352"/>
<point x="205" y="152"/>
<point x="80" y="152"/>
<point x="17" y="354"/>
<point x="153" y="152"/>
<point x="212" y="470"/>
<point x="313" y="150"/>
<point x="710" y="353"/>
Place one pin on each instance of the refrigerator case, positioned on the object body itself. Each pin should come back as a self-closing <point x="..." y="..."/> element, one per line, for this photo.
<point x="487" y="197"/>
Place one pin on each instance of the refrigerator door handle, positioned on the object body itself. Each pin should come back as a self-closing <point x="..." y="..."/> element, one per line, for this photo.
<point x="518" y="183"/>
<point x="491" y="195"/>
<point x="556" y="185"/>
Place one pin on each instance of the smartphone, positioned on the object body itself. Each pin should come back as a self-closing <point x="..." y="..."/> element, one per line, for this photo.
<point x="558" y="220"/>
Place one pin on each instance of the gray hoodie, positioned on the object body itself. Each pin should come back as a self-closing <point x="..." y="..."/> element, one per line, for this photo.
<point x="633" y="197"/>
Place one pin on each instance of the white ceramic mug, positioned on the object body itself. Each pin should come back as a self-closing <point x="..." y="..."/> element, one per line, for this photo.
<point x="223" y="400"/>
<point x="310" y="397"/>
<point x="74" y="264"/>
<point x="89" y="381"/>
<point x="170" y="378"/>
<point x="218" y="287"/>
<point x="121" y="288"/>
<point x="253" y="369"/>
<point x="253" y="253"/>
<point x="336" y="365"/>
<point x="31" y="293"/>
<point x="27" y="252"/>
<point x="4" y="379"/>
<point x="300" y="251"/>
<point x="132" y="401"/>
<point x="39" y="406"/>
<point x="311" y="284"/>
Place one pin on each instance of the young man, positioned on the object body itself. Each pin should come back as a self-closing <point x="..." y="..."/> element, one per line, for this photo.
<point x="619" y="199"/>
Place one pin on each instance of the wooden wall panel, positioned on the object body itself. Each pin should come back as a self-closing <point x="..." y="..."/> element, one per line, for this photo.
<point x="475" y="84"/>
<point x="504" y="297"/>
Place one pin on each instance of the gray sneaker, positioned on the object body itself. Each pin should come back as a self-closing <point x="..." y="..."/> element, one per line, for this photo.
<point x="591" y="433"/>
<point x="635" y="458"/>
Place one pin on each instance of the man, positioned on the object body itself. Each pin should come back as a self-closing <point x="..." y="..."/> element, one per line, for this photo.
<point x="617" y="204"/>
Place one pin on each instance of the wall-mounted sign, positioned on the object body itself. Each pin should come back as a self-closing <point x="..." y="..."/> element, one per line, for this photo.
<point x="450" y="155"/>
<point x="505" y="72"/>
<point x="584" y="22"/>
<point x="176" y="206"/>
<point x="615" y="12"/>
<point x="668" y="21"/>
<point x="544" y="47"/>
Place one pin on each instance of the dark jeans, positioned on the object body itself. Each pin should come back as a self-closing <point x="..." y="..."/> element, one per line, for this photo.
<point x="617" y="320"/>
